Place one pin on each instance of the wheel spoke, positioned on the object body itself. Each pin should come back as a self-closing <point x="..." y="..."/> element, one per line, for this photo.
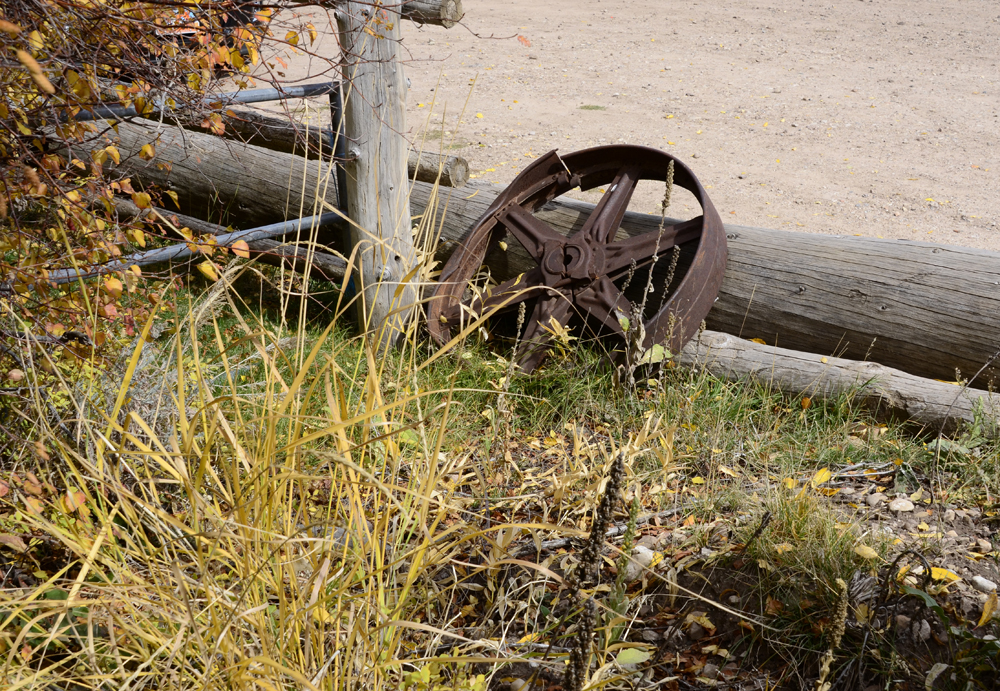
<point x="504" y="296"/>
<point x="550" y="314"/>
<point x="529" y="231"/>
<point x="642" y="247"/>
<point x="603" y="301"/>
<point x="607" y="216"/>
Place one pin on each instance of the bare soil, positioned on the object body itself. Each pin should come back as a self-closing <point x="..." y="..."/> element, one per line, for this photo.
<point x="869" y="118"/>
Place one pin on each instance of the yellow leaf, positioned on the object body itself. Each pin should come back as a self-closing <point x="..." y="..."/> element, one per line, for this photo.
<point x="147" y="152"/>
<point x="35" y="70"/>
<point x="36" y="41"/>
<point x="208" y="270"/>
<point x="141" y="199"/>
<point x="479" y="115"/>
<point x="989" y="607"/>
<point x="292" y="37"/>
<point x="173" y="197"/>
<point x="865" y="552"/>
<point x="113" y="153"/>
<point x="789" y="482"/>
<point x="758" y="340"/>
<point x="783" y="547"/>
<point x="241" y="249"/>
<point x="725" y="470"/>
<point x="941" y="574"/>
<point x="806" y="403"/>
<point x="113" y="287"/>
<point x="697" y="481"/>
<point x="135" y="269"/>
<point x="312" y="32"/>
<point x="822" y="475"/>
<point x="137" y="237"/>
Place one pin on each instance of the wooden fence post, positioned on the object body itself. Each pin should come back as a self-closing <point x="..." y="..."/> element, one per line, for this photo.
<point x="377" y="185"/>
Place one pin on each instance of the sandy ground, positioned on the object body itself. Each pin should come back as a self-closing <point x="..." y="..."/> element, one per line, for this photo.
<point x="869" y="118"/>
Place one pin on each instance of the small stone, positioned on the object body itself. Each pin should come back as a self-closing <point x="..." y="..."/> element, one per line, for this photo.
<point x="874" y="500"/>
<point x="983" y="546"/>
<point x="517" y="685"/>
<point x="948" y="516"/>
<point x="696" y="632"/>
<point x="922" y="631"/>
<point x="920" y="515"/>
<point x="952" y="534"/>
<point x="642" y="557"/>
<point x="983" y="585"/>
<point x="847" y="491"/>
<point x="647" y="541"/>
<point x="709" y="671"/>
<point x="902" y="621"/>
<point x="650" y="635"/>
<point x="900" y="505"/>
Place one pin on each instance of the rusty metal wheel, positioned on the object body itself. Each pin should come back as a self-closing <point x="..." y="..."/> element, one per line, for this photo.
<point x="576" y="275"/>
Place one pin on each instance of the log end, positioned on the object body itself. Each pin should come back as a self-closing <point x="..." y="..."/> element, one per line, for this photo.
<point x="446" y="13"/>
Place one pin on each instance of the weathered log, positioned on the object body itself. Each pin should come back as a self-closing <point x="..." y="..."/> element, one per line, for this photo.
<point x="377" y="200"/>
<point x="278" y="134"/>
<point x="925" y="309"/>
<point x="935" y="405"/>
<point x="446" y="13"/>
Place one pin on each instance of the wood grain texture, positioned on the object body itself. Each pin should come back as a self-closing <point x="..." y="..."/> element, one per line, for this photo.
<point x="291" y="137"/>
<point x="934" y="405"/>
<point x="377" y="184"/>
<point x="922" y="308"/>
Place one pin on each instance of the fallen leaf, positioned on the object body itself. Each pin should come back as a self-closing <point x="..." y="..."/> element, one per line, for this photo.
<point x="73" y="500"/>
<point x="939" y="573"/>
<point x="822" y="475"/>
<point x="632" y="656"/>
<point x="524" y="41"/>
<point x="865" y="552"/>
<point x="34" y="505"/>
<point x="16" y="543"/>
<point x="989" y="607"/>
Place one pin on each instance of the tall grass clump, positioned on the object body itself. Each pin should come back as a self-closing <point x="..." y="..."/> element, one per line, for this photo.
<point x="237" y="507"/>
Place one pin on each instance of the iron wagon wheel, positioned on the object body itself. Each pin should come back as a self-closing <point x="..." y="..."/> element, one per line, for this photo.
<point x="577" y="274"/>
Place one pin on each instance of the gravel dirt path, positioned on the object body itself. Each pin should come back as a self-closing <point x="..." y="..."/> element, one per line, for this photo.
<point x="869" y="118"/>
